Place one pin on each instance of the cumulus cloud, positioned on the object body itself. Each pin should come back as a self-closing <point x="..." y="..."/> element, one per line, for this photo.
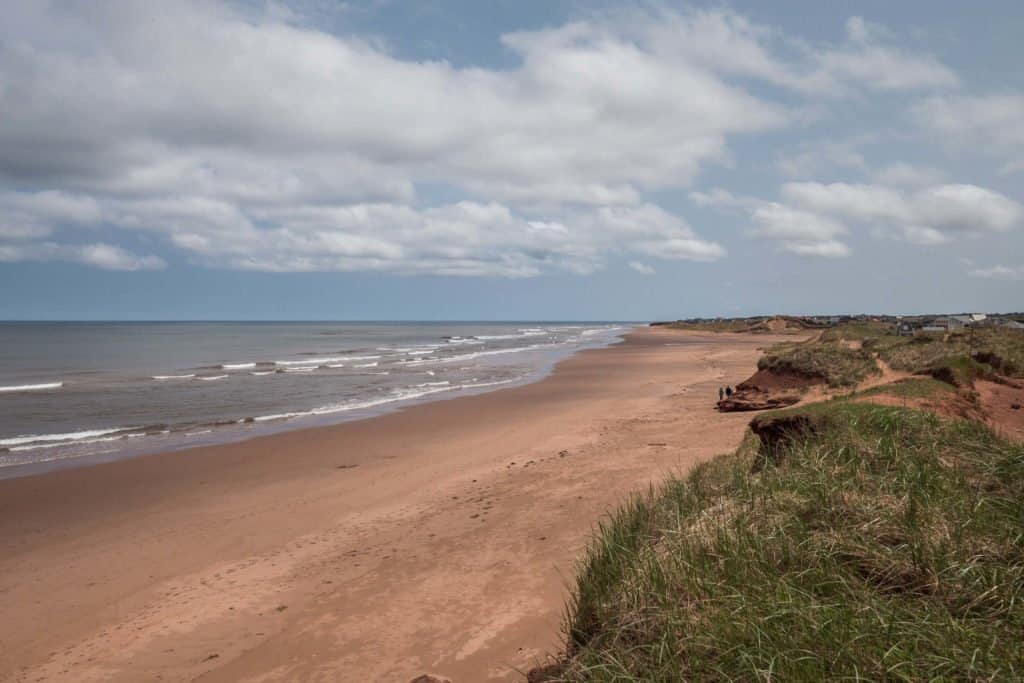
<point x="642" y="268"/>
<point x="463" y="238"/>
<point x="810" y="217"/>
<point x="799" y="232"/>
<point x="943" y="209"/>
<point x="250" y="139"/>
<point x="729" y="43"/>
<point x="103" y="256"/>
<point x="991" y="123"/>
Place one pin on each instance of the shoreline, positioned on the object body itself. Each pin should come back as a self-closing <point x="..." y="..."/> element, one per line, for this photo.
<point x="435" y="538"/>
<point x="249" y="428"/>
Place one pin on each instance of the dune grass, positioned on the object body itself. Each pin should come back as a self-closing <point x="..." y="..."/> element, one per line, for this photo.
<point x="1002" y="349"/>
<point x="836" y="364"/>
<point x="724" y="325"/>
<point x="858" y="331"/>
<point x="879" y="544"/>
<point x="915" y="388"/>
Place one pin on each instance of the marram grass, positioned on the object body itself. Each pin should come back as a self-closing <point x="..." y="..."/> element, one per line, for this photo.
<point x="887" y="544"/>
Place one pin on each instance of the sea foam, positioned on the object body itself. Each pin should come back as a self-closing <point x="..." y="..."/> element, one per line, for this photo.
<point x="32" y="387"/>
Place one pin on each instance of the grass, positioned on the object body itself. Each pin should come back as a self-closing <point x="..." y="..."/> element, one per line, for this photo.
<point x="858" y="331"/>
<point x="961" y="371"/>
<point x="880" y="544"/>
<point x="915" y="388"/>
<point x="832" y="362"/>
<point x="725" y="325"/>
<point x="1002" y="349"/>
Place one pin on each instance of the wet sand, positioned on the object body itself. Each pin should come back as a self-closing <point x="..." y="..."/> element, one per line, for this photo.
<point x="440" y="539"/>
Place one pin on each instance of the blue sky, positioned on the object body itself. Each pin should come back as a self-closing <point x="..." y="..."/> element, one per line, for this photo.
<point x="508" y="160"/>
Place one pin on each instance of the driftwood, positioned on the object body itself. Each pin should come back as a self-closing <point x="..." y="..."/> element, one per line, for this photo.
<point x="755" y="400"/>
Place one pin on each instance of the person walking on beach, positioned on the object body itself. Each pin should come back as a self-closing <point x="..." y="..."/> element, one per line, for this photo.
<point x="721" y="393"/>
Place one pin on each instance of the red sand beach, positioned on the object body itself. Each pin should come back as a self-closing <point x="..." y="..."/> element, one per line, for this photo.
<point x="440" y="539"/>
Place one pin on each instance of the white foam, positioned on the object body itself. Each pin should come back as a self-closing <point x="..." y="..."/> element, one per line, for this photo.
<point x="32" y="387"/>
<point x="323" y="361"/>
<point x="261" y="373"/>
<point x="301" y="369"/>
<point x="396" y="396"/>
<point x="365" y="365"/>
<point x="411" y="350"/>
<point x="479" y="354"/>
<point x="69" y="436"/>
<point x="212" y="378"/>
<point x="162" y="378"/>
<point x="464" y="341"/>
<point x="237" y="366"/>
<point x="308" y="361"/>
<point x="335" y="366"/>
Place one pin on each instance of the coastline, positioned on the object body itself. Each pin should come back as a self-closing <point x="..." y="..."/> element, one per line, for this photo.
<point x="76" y="445"/>
<point x="435" y="538"/>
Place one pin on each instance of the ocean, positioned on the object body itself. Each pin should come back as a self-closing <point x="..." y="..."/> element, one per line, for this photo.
<point x="77" y="393"/>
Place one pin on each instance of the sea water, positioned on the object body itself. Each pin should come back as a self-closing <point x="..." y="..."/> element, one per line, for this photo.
<point x="73" y="393"/>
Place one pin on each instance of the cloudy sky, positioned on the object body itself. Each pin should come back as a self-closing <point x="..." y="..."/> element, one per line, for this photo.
<point x="512" y="159"/>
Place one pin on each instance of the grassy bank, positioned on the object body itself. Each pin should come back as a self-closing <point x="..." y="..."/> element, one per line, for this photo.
<point x="874" y="543"/>
<point x="831" y="362"/>
<point x="999" y="348"/>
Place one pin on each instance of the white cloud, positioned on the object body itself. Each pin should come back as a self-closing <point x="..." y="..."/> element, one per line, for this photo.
<point x="642" y="268"/>
<point x="928" y="213"/>
<point x="463" y="238"/>
<point x="799" y="232"/>
<point x="922" y="234"/>
<point x="103" y="256"/>
<point x="247" y="139"/>
<point x="589" y="115"/>
<point x="729" y="43"/>
<point x="867" y="61"/>
<point x="989" y="123"/>
<point x="999" y="272"/>
<point x="110" y="257"/>
<point x="811" y="216"/>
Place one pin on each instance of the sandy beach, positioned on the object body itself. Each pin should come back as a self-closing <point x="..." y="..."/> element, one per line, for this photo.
<point x="439" y="539"/>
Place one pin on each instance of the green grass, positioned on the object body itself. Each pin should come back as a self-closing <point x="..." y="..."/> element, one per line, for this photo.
<point x="1001" y="349"/>
<point x="725" y="325"/>
<point x="832" y="362"/>
<point x="960" y="371"/>
<point x="858" y="331"/>
<point x="882" y="544"/>
<point x="915" y="388"/>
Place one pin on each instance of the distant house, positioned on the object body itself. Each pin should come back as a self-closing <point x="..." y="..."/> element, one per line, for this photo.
<point x="1013" y="325"/>
<point x="931" y="329"/>
<point x="904" y="329"/>
<point x="958" y="322"/>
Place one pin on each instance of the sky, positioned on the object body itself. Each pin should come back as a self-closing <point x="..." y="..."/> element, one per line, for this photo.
<point x="509" y="160"/>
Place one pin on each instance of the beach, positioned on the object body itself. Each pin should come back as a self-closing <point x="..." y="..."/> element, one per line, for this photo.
<point x="438" y="539"/>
